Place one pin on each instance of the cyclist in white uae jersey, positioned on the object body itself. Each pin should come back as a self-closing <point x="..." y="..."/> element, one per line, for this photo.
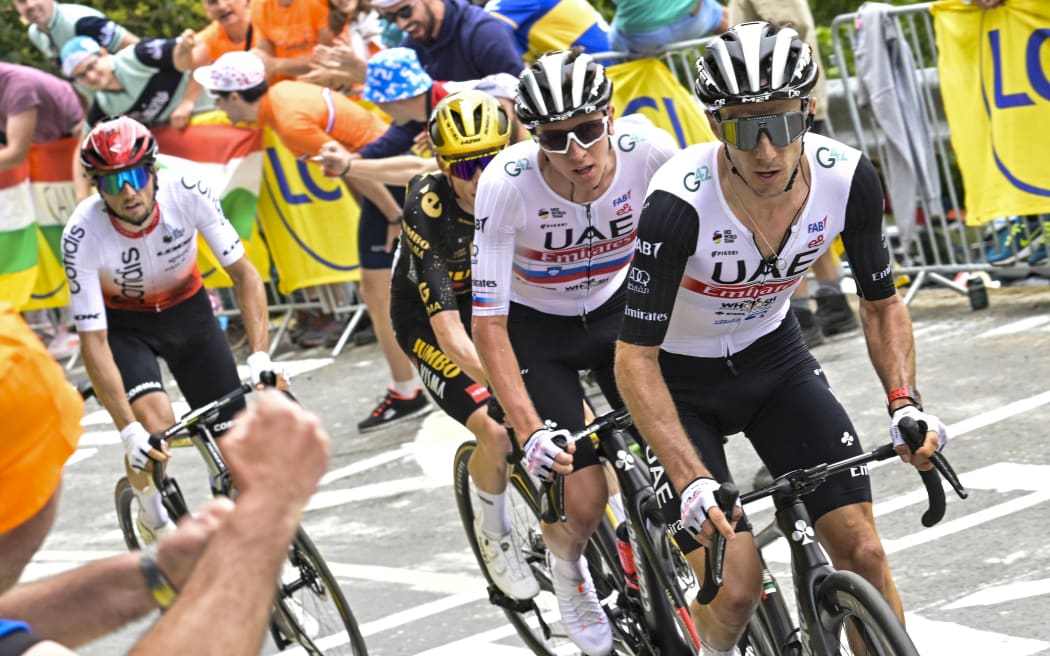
<point x="130" y="257"/>
<point x="708" y="348"/>
<point x="555" y="224"/>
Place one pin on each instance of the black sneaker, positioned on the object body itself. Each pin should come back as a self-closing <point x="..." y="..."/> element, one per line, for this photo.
<point x="811" y="333"/>
<point x="393" y="408"/>
<point x="834" y="315"/>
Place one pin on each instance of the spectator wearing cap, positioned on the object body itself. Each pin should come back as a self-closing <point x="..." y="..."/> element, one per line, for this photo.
<point x="145" y="82"/>
<point x="52" y="25"/>
<point x="221" y="561"/>
<point x="541" y="26"/>
<point x="286" y="32"/>
<point x="35" y="107"/>
<point x="305" y="117"/>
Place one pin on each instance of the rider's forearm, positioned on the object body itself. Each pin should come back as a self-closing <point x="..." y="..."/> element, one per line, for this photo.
<point x="105" y="377"/>
<point x="891" y="344"/>
<point x="83" y="604"/>
<point x="251" y="300"/>
<point x="504" y="375"/>
<point x="234" y="580"/>
<point x="640" y="382"/>
<point x="453" y="339"/>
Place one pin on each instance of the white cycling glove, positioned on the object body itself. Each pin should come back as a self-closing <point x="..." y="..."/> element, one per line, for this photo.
<point x="697" y="498"/>
<point x="259" y="362"/>
<point x="136" y="444"/>
<point x="540" y="451"/>
<point x="925" y="420"/>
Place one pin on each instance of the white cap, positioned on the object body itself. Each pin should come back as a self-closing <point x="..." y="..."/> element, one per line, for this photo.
<point x="233" y="71"/>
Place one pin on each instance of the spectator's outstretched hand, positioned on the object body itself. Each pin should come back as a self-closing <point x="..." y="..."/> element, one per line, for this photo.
<point x="276" y="452"/>
<point x="178" y="552"/>
<point x="334" y="159"/>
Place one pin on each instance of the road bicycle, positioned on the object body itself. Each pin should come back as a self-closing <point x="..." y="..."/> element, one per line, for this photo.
<point x="310" y="611"/>
<point x="647" y="610"/>
<point x="831" y="603"/>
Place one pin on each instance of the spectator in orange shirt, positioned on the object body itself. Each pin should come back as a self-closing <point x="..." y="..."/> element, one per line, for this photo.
<point x="305" y="117"/>
<point x="286" y="32"/>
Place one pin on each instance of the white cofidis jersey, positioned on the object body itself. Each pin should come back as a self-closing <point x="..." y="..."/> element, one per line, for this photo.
<point x="537" y="248"/>
<point x="149" y="271"/>
<point x="699" y="285"/>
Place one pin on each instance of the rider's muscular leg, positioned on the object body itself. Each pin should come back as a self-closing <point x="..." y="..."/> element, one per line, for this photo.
<point x="488" y="465"/>
<point x="585" y="498"/>
<point x="375" y="289"/>
<point x="849" y="536"/>
<point x="722" y="622"/>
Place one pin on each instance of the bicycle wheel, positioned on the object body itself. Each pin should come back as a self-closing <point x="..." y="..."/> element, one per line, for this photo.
<point x="846" y="599"/>
<point x="537" y="621"/>
<point x="771" y="631"/>
<point x="128" y="507"/>
<point x="310" y="609"/>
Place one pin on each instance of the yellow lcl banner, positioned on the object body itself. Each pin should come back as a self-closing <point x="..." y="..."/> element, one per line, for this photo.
<point x="994" y="67"/>
<point x="647" y="86"/>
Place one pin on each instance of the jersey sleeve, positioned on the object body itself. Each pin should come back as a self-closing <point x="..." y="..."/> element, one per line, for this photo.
<point x="424" y="214"/>
<point x="156" y="53"/>
<point x="667" y="234"/>
<point x="495" y="208"/>
<point x="81" y="262"/>
<point x="210" y="221"/>
<point x="863" y="238"/>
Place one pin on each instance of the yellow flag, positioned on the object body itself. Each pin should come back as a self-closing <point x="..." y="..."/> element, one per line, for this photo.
<point x="648" y="87"/>
<point x="310" y="221"/>
<point x="994" y="67"/>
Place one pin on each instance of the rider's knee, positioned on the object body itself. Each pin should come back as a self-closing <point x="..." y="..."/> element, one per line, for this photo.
<point x="865" y="555"/>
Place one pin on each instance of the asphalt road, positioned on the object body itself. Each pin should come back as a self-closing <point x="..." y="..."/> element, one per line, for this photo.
<point x="385" y="518"/>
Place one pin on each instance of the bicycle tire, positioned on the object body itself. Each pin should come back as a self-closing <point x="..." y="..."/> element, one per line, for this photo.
<point x="127" y="509"/>
<point x="524" y="513"/>
<point x="846" y="596"/>
<point x="310" y="606"/>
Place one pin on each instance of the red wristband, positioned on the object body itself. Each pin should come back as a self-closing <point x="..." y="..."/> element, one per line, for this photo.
<point x="907" y="392"/>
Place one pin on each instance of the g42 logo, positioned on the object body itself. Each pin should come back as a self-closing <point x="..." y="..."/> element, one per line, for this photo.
<point x="828" y="157"/>
<point x="627" y="142"/>
<point x="516" y="167"/>
<point x="694" y="179"/>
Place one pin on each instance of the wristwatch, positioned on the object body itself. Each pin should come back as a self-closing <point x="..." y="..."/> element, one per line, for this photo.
<point x="159" y="586"/>
<point x="907" y="392"/>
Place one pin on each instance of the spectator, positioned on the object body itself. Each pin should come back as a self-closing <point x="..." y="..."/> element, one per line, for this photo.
<point x="51" y="25"/>
<point x="234" y="553"/>
<point x="230" y="29"/>
<point x="286" y="32"/>
<point x="299" y="112"/>
<point x="35" y="107"/>
<point x="546" y="25"/>
<point x="145" y="82"/>
<point x="834" y="314"/>
<point x="645" y="27"/>
<point x="358" y="35"/>
<point x="454" y="39"/>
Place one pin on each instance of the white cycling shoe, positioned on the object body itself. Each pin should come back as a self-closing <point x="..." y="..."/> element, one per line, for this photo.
<point x="150" y="533"/>
<point x="506" y="564"/>
<point x="584" y="619"/>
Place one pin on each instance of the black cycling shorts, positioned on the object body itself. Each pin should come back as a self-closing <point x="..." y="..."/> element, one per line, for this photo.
<point x="777" y="395"/>
<point x="452" y="389"/>
<point x="371" y="232"/>
<point x="188" y="338"/>
<point x="552" y="350"/>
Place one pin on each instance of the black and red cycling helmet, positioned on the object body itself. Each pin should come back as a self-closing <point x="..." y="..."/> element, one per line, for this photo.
<point x="116" y="144"/>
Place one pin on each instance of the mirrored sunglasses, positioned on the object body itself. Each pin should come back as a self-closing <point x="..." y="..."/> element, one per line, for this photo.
<point x="586" y="134"/>
<point x="465" y="169"/>
<point x="113" y="183"/>
<point x="782" y="129"/>
<point x="403" y="12"/>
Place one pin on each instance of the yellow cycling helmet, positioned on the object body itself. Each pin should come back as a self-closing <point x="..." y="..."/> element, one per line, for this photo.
<point x="468" y="123"/>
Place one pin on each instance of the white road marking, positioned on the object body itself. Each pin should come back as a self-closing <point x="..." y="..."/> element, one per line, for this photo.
<point x="1022" y="325"/>
<point x="998" y="594"/>
<point x="932" y="637"/>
